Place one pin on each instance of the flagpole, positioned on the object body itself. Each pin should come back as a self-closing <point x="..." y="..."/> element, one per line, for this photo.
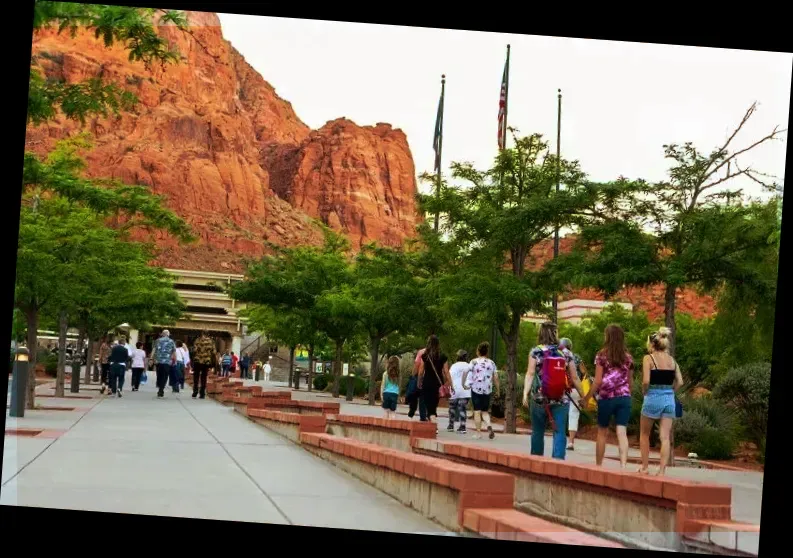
<point x="440" y="151"/>
<point x="504" y="136"/>
<point x="558" y="179"/>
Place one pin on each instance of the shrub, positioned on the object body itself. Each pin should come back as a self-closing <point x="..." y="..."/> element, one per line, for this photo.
<point x="499" y="395"/>
<point x="51" y="365"/>
<point x="708" y="428"/>
<point x="322" y="381"/>
<point x="746" y="389"/>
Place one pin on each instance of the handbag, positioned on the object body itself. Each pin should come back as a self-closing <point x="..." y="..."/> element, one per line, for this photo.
<point x="444" y="391"/>
<point x="678" y="408"/>
<point x="143" y="378"/>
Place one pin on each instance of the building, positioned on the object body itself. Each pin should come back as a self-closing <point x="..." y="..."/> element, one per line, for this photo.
<point x="575" y="310"/>
<point x="208" y="307"/>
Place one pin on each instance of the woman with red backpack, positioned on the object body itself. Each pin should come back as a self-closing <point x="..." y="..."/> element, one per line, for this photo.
<point x="549" y="376"/>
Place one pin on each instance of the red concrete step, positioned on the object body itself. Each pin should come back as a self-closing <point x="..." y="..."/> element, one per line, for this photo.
<point x="513" y="525"/>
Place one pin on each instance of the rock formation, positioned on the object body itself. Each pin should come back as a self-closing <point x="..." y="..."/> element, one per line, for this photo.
<point x="206" y="135"/>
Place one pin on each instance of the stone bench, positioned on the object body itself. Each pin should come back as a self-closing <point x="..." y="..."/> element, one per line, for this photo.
<point x="513" y="525"/>
<point x="294" y="405"/>
<point x="639" y="510"/>
<point x="731" y="536"/>
<point x="288" y="425"/>
<point x="233" y="391"/>
<point x="396" y="434"/>
<point x="242" y="400"/>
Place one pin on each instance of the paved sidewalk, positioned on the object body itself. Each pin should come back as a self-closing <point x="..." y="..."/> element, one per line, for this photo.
<point x="186" y="458"/>
<point x="747" y="486"/>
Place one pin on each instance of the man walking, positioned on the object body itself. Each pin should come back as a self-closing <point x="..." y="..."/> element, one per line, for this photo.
<point x="164" y="354"/>
<point x="203" y="357"/>
<point x="245" y="363"/>
<point x="118" y="366"/>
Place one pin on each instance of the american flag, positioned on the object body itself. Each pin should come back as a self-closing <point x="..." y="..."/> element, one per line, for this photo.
<point x="502" y="108"/>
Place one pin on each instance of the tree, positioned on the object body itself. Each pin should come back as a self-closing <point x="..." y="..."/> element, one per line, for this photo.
<point x="492" y="227"/>
<point x="385" y="291"/>
<point x="307" y="280"/>
<point x="692" y="230"/>
<point x="284" y="327"/>
<point x="132" y="27"/>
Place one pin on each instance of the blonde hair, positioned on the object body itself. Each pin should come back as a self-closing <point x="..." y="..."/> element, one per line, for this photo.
<point x="548" y="334"/>
<point x="659" y="341"/>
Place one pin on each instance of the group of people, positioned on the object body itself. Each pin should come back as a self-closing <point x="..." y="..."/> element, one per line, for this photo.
<point x="171" y="360"/>
<point x="553" y="390"/>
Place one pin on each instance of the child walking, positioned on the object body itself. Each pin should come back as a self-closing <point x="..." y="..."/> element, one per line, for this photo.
<point x="461" y="392"/>
<point x="389" y="387"/>
<point x="483" y="377"/>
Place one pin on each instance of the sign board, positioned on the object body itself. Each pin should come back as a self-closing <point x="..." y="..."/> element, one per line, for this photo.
<point x="346" y="369"/>
<point x="318" y="368"/>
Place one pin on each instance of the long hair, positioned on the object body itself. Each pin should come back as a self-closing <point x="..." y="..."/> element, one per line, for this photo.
<point x="392" y="369"/>
<point x="433" y="347"/>
<point x="659" y="341"/>
<point x="614" y="348"/>
<point x="548" y="334"/>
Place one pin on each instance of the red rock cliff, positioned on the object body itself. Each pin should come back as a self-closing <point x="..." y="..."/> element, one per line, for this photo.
<point x="204" y="135"/>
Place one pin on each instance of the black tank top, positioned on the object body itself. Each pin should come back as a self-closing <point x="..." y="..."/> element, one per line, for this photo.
<point x="661" y="376"/>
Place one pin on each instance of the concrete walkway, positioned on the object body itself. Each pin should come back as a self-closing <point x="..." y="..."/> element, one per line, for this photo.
<point x="747" y="493"/>
<point x="186" y="458"/>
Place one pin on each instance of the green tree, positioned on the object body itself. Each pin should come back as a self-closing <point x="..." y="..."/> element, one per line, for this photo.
<point x="385" y="291"/>
<point x="134" y="28"/>
<point x="492" y="227"/>
<point x="692" y="230"/>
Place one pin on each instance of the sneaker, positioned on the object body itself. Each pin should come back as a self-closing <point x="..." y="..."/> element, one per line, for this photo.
<point x="160" y="394"/>
<point x="491" y="434"/>
<point x="462" y="430"/>
<point x="450" y="428"/>
<point x="119" y="394"/>
<point x="570" y="447"/>
<point x="195" y="395"/>
<point x="202" y="396"/>
<point x="102" y="390"/>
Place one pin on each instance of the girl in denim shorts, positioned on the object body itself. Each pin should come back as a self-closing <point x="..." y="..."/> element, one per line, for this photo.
<point x="661" y="377"/>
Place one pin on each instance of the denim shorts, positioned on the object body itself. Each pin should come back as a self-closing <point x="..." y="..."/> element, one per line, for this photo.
<point x="659" y="403"/>
<point x="618" y="407"/>
<point x="390" y="401"/>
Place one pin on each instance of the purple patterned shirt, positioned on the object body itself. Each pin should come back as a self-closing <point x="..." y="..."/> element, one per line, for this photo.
<point x="615" y="378"/>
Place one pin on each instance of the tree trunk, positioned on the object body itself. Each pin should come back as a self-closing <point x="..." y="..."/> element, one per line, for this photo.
<point x="337" y="367"/>
<point x="60" y="377"/>
<point x="374" y="372"/>
<point x="290" y="380"/>
<point x="32" y="316"/>
<point x="76" y="358"/>
<point x="669" y="316"/>
<point x="296" y="378"/>
<point x="96" y="365"/>
<point x="510" y="395"/>
<point x="310" y="367"/>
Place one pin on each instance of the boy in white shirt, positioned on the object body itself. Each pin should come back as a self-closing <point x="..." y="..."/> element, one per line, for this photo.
<point x="461" y="392"/>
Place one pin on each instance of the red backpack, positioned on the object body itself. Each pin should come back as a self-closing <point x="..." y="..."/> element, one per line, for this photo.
<point x="555" y="383"/>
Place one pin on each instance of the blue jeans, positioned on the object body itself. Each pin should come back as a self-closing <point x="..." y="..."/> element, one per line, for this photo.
<point x="539" y="419"/>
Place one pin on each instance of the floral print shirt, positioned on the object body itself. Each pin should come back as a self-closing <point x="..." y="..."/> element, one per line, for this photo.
<point x="616" y="379"/>
<point x="482" y="371"/>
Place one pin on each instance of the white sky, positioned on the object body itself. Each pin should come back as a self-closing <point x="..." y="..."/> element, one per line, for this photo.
<point x="621" y="101"/>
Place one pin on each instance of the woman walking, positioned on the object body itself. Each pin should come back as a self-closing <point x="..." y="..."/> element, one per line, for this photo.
<point x="661" y="378"/>
<point x="389" y="387"/>
<point x="613" y="383"/>
<point x="460" y="373"/>
<point x="413" y="391"/>
<point x="225" y="364"/>
<point x="138" y="365"/>
<point x="433" y="373"/>
<point x="548" y="364"/>
<point x="483" y="377"/>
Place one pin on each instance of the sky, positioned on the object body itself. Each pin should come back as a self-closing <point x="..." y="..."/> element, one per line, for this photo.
<point x="621" y="101"/>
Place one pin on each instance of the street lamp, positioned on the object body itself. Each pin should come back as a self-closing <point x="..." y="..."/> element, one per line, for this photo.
<point x="19" y="383"/>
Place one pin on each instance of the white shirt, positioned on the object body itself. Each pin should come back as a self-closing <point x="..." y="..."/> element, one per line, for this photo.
<point x="482" y="378"/>
<point x="180" y="354"/>
<point x="457" y="371"/>
<point x="267" y="368"/>
<point x="186" y="352"/>
<point x="138" y="358"/>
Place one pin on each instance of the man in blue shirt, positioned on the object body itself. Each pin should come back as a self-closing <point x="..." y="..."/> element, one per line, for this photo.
<point x="164" y="355"/>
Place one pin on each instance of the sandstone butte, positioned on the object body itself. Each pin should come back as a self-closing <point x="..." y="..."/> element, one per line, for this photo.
<point x="236" y="162"/>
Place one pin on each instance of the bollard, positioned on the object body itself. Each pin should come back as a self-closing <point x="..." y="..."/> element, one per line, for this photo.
<point x="350" y="387"/>
<point x="256" y="372"/>
<point x="19" y="383"/>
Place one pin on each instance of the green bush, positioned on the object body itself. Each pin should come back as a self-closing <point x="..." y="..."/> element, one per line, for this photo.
<point x="322" y="381"/>
<point x="51" y="365"/>
<point x="707" y="428"/>
<point x="746" y="389"/>
<point x="499" y="395"/>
